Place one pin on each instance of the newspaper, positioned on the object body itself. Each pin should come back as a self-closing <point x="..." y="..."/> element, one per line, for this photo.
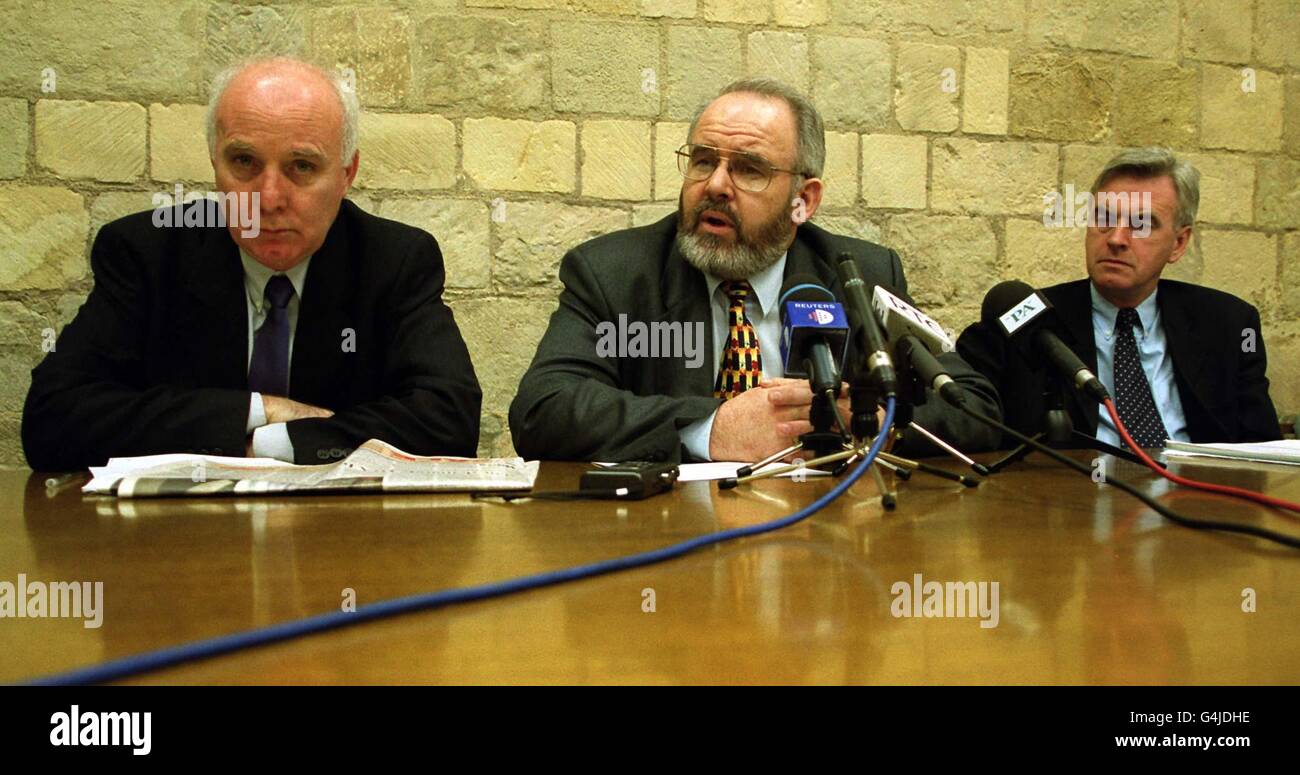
<point x="374" y="466"/>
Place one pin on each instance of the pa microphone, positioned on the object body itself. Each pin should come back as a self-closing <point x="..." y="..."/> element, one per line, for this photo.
<point x="880" y="368"/>
<point x="814" y="333"/>
<point x="1028" y="319"/>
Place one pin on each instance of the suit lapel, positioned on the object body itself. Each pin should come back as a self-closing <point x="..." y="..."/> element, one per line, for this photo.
<point x="214" y="319"/>
<point x="1182" y="336"/>
<point x="1074" y="308"/>
<point x="802" y="259"/>
<point x="686" y="299"/>
<point x="325" y="310"/>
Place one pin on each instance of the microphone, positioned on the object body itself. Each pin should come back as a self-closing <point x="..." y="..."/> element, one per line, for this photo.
<point x="880" y="368"/>
<point x="814" y="333"/>
<point x="1028" y="319"/>
<point x="899" y="319"/>
<point x="911" y="350"/>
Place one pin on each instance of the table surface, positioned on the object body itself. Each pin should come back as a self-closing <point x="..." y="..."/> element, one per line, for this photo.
<point x="1093" y="587"/>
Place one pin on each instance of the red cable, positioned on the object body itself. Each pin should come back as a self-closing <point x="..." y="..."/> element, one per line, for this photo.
<point x="1176" y="479"/>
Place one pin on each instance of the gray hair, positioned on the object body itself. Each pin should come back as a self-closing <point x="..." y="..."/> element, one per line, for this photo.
<point x="1156" y="162"/>
<point x="810" y="134"/>
<point x="343" y="89"/>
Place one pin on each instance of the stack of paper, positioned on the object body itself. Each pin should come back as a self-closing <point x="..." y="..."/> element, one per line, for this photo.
<point x="1283" y="451"/>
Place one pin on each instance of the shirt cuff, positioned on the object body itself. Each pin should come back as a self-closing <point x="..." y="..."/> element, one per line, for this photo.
<point x="695" y="437"/>
<point x="256" y="413"/>
<point x="273" y="441"/>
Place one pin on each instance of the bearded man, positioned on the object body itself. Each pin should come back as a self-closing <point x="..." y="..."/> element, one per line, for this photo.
<point x="751" y="180"/>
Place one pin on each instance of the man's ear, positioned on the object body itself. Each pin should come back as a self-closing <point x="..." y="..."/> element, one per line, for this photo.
<point x="350" y="171"/>
<point x="806" y="199"/>
<point x="1182" y="241"/>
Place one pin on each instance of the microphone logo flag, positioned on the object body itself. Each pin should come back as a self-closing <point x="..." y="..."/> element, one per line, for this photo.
<point x="1028" y="309"/>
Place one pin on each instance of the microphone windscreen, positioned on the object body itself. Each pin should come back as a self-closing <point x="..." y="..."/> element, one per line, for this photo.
<point x="802" y="286"/>
<point x="1002" y="298"/>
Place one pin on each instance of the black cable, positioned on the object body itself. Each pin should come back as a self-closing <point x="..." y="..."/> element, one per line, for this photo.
<point x="1166" y="512"/>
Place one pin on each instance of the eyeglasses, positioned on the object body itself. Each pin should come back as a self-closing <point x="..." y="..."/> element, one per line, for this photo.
<point x="749" y="172"/>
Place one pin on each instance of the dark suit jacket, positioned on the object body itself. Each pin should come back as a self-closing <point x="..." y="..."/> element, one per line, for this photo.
<point x="574" y="405"/>
<point x="156" y="360"/>
<point x="1223" y="390"/>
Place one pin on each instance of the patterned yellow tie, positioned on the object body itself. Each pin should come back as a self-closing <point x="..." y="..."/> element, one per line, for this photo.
<point x="742" y="366"/>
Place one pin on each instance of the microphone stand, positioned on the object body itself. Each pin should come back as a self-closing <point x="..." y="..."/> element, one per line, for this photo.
<point x="978" y="468"/>
<point x="911" y="394"/>
<point x="836" y="447"/>
<point x="821" y="440"/>
<point x="1059" y="432"/>
<point x="830" y="446"/>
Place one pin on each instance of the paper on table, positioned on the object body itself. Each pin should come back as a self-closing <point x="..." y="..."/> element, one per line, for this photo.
<point x="704" y="472"/>
<point x="374" y="465"/>
<point x="1286" y="451"/>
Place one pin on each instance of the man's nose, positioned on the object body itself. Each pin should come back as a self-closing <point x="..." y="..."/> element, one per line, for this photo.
<point x="719" y="185"/>
<point x="272" y="189"/>
<point x="1119" y="237"/>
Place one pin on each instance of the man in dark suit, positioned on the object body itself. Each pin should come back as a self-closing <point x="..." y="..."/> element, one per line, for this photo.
<point x="1182" y="361"/>
<point x="298" y="334"/>
<point x="751" y="180"/>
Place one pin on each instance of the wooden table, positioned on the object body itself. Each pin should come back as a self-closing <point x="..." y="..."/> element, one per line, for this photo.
<point x="1093" y="587"/>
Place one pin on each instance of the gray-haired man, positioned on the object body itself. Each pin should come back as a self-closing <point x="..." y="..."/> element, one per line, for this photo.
<point x="751" y="172"/>
<point x="1183" y="362"/>
<point x="297" y="333"/>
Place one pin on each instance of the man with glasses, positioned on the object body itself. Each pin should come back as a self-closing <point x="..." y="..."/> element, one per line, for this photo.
<point x="751" y="178"/>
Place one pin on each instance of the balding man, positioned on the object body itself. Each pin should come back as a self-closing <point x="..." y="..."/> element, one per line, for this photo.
<point x="297" y="329"/>
<point x="751" y="172"/>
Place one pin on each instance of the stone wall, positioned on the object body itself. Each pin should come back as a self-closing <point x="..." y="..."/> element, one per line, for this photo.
<point x="513" y="129"/>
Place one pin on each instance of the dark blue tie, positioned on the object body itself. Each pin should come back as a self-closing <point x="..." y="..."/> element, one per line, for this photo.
<point x="1133" y="399"/>
<point x="268" y="372"/>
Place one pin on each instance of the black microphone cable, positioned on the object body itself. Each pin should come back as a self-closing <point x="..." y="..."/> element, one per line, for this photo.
<point x="959" y="401"/>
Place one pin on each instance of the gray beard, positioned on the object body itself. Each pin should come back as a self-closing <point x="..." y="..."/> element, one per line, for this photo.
<point x="743" y="260"/>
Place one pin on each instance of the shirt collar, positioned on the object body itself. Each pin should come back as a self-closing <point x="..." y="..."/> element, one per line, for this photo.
<point x="257" y="275"/>
<point x="766" y="284"/>
<point x="1148" y="311"/>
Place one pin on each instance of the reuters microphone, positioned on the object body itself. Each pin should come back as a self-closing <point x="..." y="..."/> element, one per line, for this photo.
<point x="814" y="333"/>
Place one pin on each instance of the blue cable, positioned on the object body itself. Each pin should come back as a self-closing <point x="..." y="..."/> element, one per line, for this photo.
<point x="224" y="644"/>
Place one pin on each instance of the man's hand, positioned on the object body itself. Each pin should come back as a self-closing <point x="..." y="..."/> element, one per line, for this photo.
<point x="765" y="420"/>
<point x="279" y="409"/>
